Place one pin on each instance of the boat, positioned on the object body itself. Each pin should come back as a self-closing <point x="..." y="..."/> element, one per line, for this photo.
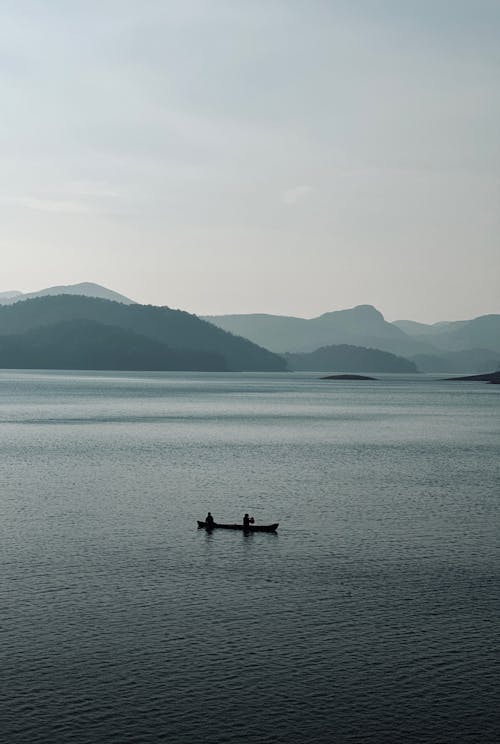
<point x="250" y="528"/>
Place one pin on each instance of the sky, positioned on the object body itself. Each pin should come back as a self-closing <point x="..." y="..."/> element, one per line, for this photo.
<point x="233" y="156"/>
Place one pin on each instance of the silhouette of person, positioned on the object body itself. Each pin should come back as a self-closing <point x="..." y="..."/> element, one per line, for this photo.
<point x="209" y="520"/>
<point x="246" y="521"/>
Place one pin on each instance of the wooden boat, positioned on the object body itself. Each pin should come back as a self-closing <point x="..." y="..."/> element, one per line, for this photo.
<point x="250" y="528"/>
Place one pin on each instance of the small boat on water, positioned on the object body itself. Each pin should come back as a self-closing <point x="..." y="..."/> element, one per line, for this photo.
<point x="250" y="528"/>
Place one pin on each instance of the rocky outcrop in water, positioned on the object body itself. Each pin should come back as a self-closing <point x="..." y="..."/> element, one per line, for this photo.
<point x="347" y="377"/>
<point x="492" y="377"/>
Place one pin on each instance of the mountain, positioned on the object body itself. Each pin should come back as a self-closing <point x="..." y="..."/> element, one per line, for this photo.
<point x="429" y="346"/>
<point x="458" y="346"/>
<point x="88" y="289"/>
<point x="10" y="296"/>
<point x="482" y="332"/>
<point x="412" y="328"/>
<point x="176" y="329"/>
<point x="360" y="326"/>
<point x="85" y="344"/>
<point x="345" y="358"/>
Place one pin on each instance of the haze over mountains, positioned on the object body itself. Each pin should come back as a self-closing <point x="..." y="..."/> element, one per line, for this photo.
<point x="360" y="326"/>
<point x="482" y="332"/>
<point x="89" y="326"/>
<point x="461" y="345"/>
<point x="88" y="289"/>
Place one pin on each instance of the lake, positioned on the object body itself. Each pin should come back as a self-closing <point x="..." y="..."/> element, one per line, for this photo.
<point x="372" y="616"/>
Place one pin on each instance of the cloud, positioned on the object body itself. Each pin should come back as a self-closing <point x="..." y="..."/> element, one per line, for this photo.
<point x="295" y="194"/>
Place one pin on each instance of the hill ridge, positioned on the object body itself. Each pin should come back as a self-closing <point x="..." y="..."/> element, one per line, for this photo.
<point x="348" y="358"/>
<point x="85" y="289"/>
<point x="177" y="329"/>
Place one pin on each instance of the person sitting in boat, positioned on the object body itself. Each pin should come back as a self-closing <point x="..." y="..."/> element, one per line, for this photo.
<point x="246" y="522"/>
<point x="209" y="520"/>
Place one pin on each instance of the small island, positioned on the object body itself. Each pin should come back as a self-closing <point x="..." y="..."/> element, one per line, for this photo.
<point x="492" y="377"/>
<point x="347" y="377"/>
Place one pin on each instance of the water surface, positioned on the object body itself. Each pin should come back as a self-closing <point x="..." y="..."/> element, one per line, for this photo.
<point x="371" y="616"/>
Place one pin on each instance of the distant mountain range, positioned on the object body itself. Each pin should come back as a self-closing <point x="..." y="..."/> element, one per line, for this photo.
<point x="361" y="326"/>
<point x="469" y="360"/>
<point x="345" y="340"/>
<point x="64" y="331"/>
<point x="482" y="333"/>
<point x="431" y="347"/>
<point x="88" y="289"/>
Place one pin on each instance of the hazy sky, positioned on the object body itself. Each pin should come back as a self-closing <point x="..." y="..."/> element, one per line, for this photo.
<point x="285" y="156"/>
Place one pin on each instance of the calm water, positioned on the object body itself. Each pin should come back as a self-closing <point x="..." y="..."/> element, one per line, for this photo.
<point x="371" y="617"/>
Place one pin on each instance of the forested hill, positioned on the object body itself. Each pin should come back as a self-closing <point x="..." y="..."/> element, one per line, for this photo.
<point x="86" y="344"/>
<point x="346" y="358"/>
<point x="176" y="329"/>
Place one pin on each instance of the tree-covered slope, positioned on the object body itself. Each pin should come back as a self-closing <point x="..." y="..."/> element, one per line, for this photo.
<point x="177" y="329"/>
<point x="345" y="358"/>
<point x="86" y="344"/>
